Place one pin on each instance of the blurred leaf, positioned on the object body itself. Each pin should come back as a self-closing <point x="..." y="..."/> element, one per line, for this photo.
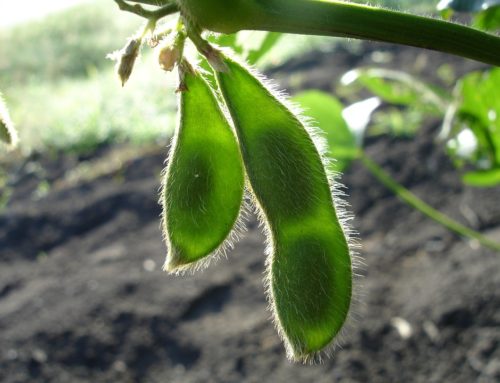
<point x="470" y="6"/>
<point x="228" y="41"/>
<point x="267" y="43"/>
<point x="397" y="122"/>
<point x="68" y="43"/>
<point x="487" y="11"/>
<point x="261" y="45"/>
<point x="488" y="19"/>
<point x="326" y="111"/>
<point x="251" y="45"/>
<point x="446" y="73"/>
<point x="480" y="110"/>
<point x="83" y="114"/>
<point x="398" y="88"/>
<point x="484" y="178"/>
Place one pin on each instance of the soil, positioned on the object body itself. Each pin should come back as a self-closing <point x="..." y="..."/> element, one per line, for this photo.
<point x="83" y="297"/>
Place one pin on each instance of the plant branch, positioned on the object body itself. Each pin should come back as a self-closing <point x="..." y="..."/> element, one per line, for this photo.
<point x="411" y="199"/>
<point x="153" y="15"/>
<point x="344" y="19"/>
<point x="428" y="94"/>
<point x="152" y="2"/>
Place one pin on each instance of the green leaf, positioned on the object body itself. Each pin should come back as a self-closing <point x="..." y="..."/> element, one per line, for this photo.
<point x="397" y="122"/>
<point x="470" y="6"/>
<point x="487" y="11"/>
<point x="227" y="40"/>
<point x="482" y="178"/>
<point x="398" y="88"/>
<point x="480" y="110"/>
<point x="251" y="45"/>
<point x="488" y="19"/>
<point x="326" y="111"/>
<point x="268" y="42"/>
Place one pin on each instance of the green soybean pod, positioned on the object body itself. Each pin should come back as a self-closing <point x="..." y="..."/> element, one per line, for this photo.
<point x="204" y="180"/>
<point x="310" y="271"/>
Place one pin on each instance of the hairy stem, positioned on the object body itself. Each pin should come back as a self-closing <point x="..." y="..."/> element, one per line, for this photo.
<point x="344" y="19"/>
<point x="411" y="199"/>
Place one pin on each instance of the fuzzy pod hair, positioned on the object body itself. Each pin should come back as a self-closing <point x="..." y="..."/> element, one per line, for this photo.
<point x="8" y="133"/>
<point x="310" y="248"/>
<point x="203" y="188"/>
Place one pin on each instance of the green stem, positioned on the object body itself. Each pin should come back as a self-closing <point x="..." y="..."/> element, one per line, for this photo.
<point x="152" y="15"/>
<point x="428" y="94"/>
<point x="415" y="202"/>
<point x="152" y="2"/>
<point x="344" y="19"/>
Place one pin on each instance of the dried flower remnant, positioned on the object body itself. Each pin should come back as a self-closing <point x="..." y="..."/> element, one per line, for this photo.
<point x="125" y="59"/>
<point x="170" y="52"/>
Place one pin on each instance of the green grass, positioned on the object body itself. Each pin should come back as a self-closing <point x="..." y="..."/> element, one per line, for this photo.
<point x="81" y="114"/>
<point x="64" y="44"/>
<point x="63" y="93"/>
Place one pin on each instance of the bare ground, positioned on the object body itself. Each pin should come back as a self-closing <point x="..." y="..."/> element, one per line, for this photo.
<point x="83" y="297"/>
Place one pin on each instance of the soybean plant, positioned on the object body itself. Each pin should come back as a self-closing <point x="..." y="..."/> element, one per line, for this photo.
<point x="262" y="140"/>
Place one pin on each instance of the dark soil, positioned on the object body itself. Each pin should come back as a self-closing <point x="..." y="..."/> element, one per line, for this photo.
<point x="83" y="297"/>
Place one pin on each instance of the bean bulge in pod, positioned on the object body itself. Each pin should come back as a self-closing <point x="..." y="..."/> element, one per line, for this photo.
<point x="204" y="182"/>
<point x="310" y="273"/>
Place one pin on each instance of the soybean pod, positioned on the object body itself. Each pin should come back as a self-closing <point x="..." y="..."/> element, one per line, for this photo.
<point x="310" y="273"/>
<point x="204" y="181"/>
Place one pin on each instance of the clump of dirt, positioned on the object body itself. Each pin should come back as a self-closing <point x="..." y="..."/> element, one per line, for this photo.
<point x="83" y="297"/>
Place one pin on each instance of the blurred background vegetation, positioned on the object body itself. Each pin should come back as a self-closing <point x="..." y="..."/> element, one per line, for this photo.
<point x="62" y="91"/>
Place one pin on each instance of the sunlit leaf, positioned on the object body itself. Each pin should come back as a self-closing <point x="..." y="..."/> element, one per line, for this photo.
<point x="229" y="41"/>
<point x="326" y="111"/>
<point x="398" y="88"/>
<point x="267" y="43"/>
<point x="483" y="178"/>
<point x="252" y="45"/>
<point x="480" y="109"/>
<point x="488" y="19"/>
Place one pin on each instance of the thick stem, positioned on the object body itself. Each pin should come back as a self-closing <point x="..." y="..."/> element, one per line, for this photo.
<point x="344" y="19"/>
<point x="152" y="2"/>
<point x="411" y="199"/>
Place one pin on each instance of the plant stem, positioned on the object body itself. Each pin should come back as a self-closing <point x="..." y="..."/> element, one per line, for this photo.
<point x="427" y="92"/>
<point x="153" y="15"/>
<point x="152" y="2"/>
<point x="411" y="199"/>
<point x="344" y="19"/>
<point x="335" y="18"/>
